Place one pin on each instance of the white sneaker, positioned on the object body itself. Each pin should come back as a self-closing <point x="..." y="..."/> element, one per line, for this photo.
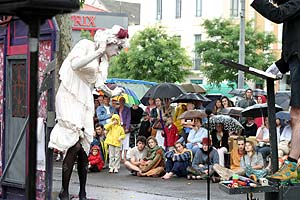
<point x="273" y="69"/>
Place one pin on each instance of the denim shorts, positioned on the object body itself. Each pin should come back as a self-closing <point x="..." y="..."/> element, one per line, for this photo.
<point x="294" y="65"/>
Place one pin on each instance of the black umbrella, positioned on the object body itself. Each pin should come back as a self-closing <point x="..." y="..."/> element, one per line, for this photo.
<point x="258" y="110"/>
<point x="282" y="98"/>
<point x="213" y="97"/>
<point x="163" y="90"/>
<point x="189" y="97"/>
<point x="237" y="92"/>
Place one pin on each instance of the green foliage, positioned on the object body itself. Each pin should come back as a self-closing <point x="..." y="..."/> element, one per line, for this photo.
<point x="223" y="42"/>
<point x="86" y="35"/>
<point x="81" y="3"/>
<point x="153" y="56"/>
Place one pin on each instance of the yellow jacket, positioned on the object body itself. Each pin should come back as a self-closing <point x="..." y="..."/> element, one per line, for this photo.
<point x="179" y="110"/>
<point x="115" y="133"/>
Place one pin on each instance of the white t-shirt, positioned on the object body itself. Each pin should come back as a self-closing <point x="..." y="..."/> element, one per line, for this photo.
<point x="135" y="153"/>
<point x="266" y="134"/>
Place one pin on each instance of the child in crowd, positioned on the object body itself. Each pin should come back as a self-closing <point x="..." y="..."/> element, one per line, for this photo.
<point x="99" y="138"/>
<point x="95" y="162"/>
<point x="145" y="129"/>
<point x="170" y="133"/>
<point x="114" y="139"/>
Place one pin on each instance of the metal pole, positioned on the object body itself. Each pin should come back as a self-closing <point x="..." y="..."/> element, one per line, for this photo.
<point x="242" y="45"/>
<point x="34" y="31"/>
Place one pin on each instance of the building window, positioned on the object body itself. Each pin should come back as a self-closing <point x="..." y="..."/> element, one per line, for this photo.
<point x="198" y="8"/>
<point x="158" y="9"/>
<point x="197" y="60"/>
<point x="234" y="8"/>
<point x="178" y="9"/>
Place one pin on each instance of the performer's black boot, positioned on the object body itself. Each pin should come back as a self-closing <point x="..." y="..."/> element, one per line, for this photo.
<point x="82" y="168"/>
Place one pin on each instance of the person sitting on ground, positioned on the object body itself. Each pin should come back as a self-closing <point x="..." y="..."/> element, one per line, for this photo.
<point x="136" y="155"/>
<point x="170" y="133"/>
<point x="220" y="141"/>
<point x="178" y="160"/>
<point x="199" y="169"/>
<point x="252" y="162"/>
<point x="154" y="164"/>
<point x="196" y="135"/>
<point x="95" y="162"/>
<point x="237" y="154"/>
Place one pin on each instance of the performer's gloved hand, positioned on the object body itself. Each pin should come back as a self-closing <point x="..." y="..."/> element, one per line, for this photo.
<point x="273" y="69"/>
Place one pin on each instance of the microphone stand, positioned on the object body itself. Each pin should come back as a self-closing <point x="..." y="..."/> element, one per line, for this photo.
<point x="208" y="113"/>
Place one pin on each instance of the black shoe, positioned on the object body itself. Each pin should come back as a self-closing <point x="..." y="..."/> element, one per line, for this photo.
<point x="64" y="196"/>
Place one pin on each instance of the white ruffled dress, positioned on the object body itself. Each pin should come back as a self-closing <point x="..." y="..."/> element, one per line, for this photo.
<point x="74" y="101"/>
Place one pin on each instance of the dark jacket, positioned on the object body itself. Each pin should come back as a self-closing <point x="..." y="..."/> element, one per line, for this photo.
<point x="289" y="14"/>
<point x="220" y="143"/>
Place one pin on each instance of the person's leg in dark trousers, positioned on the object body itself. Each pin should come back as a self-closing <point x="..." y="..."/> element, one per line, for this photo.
<point x="82" y="169"/>
<point x="67" y="169"/>
<point x="179" y="168"/>
<point x="169" y="165"/>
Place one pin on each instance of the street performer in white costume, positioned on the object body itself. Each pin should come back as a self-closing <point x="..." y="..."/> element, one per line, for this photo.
<point x="85" y="68"/>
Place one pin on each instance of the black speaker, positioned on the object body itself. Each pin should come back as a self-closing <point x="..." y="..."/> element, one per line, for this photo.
<point x="45" y="8"/>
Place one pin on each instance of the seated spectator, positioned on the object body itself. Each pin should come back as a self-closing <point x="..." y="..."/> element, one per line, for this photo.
<point x="99" y="138"/>
<point x="187" y="123"/>
<point x="252" y="162"/>
<point x="263" y="139"/>
<point x="154" y="164"/>
<point x="250" y="128"/>
<point x="95" y="163"/>
<point x="196" y="135"/>
<point x="201" y="164"/>
<point x="237" y="154"/>
<point x="170" y="133"/>
<point x="284" y="141"/>
<point x="136" y="155"/>
<point x="178" y="160"/>
<point x="220" y="141"/>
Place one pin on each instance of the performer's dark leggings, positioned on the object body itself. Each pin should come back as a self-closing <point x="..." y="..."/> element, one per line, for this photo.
<point x="73" y="153"/>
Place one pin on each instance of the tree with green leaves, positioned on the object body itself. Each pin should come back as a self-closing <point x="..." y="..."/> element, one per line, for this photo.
<point x="223" y="42"/>
<point x="153" y="56"/>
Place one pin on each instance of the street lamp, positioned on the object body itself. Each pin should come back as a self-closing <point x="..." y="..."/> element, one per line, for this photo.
<point x="33" y="13"/>
<point x="242" y="45"/>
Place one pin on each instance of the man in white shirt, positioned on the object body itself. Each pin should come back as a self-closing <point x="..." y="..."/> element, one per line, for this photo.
<point x="136" y="155"/>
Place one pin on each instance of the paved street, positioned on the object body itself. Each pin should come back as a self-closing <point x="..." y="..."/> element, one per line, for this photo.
<point x="105" y="186"/>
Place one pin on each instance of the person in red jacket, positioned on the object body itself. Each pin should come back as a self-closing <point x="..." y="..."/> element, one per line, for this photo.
<point x="95" y="162"/>
<point x="170" y="134"/>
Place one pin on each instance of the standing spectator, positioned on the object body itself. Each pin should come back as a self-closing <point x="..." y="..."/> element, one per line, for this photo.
<point x="114" y="139"/>
<point x="284" y="141"/>
<point x="250" y="128"/>
<point x="95" y="162"/>
<point x="125" y="117"/>
<point x="135" y="122"/>
<point x="170" y="133"/>
<point x="260" y="100"/>
<point x="220" y="141"/>
<point x="226" y="103"/>
<point x="217" y="107"/>
<point x="181" y="108"/>
<point x="187" y="123"/>
<point x="196" y="135"/>
<point x="151" y="105"/>
<point x="136" y="155"/>
<point x="105" y="111"/>
<point x="145" y="128"/>
<point x="248" y="99"/>
<point x="178" y="160"/>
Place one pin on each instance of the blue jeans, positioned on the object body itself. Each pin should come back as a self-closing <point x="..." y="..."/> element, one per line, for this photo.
<point x="178" y="168"/>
